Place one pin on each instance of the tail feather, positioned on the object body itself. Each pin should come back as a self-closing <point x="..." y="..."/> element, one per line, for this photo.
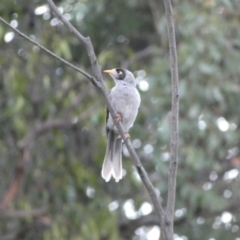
<point x="117" y="160"/>
<point x="107" y="164"/>
<point x="112" y="165"/>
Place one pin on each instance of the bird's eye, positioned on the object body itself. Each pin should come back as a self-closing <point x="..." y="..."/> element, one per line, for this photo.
<point x="120" y="74"/>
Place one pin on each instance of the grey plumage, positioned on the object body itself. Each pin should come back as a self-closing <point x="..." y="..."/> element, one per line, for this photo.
<point x="112" y="164"/>
<point x="126" y="100"/>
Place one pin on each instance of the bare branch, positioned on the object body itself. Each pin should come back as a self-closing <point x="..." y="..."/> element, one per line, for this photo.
<point x="175" y="114"/>
<point x="23" y="213"/>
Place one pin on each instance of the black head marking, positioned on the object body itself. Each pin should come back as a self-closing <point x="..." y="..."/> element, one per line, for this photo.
<point x="121" y="74"/>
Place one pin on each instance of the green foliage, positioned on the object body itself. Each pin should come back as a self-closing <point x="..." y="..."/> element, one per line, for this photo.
<point x="63" y="172"/>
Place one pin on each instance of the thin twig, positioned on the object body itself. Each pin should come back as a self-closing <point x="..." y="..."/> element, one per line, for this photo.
<point x="23" y="213"/>
<point x="49" y="52"/>
<point x="97" y="73"/>
<point x="174" y="115"/>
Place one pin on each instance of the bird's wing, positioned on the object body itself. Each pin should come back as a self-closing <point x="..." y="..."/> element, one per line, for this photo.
<point x="107" y="117"/>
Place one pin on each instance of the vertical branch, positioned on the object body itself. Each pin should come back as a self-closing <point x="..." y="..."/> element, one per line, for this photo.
<point x="174" y="114"/>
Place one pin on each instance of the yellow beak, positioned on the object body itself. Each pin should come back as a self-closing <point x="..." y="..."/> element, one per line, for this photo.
<point x="108" y="72"/>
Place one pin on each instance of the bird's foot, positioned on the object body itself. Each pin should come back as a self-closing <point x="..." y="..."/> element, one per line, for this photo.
<point x="126" y="135"/>
<point x="117" y="119"/>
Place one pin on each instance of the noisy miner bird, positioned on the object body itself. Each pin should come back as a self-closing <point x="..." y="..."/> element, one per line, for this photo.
<point x="126" y="101"/>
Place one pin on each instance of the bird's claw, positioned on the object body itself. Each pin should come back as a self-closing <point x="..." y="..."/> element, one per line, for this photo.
<point x="117" y="119"/>
<point x="126" y="136"/>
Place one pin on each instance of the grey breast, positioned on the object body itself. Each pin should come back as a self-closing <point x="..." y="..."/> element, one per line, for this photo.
<point x="126" y="100"/>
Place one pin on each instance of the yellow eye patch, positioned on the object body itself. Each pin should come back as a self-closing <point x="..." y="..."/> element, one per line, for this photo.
<point x="120" y="72"/>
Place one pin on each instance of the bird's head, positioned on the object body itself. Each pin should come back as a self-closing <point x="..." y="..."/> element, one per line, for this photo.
<point x="120" y="74"/>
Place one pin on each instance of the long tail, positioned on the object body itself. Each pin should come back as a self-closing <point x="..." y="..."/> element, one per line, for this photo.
<point x="112" y="165"/>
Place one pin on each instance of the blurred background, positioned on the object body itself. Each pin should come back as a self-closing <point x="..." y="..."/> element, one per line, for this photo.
<point x="52" y="120"/>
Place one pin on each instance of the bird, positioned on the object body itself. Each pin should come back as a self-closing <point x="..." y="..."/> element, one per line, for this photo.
<point x="126" y="100"/>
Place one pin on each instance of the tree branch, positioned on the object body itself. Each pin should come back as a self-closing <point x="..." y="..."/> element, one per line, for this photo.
<point x="97" y="73"/>
<point x="174" y="115"/>
<point x="23" y="213"/>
